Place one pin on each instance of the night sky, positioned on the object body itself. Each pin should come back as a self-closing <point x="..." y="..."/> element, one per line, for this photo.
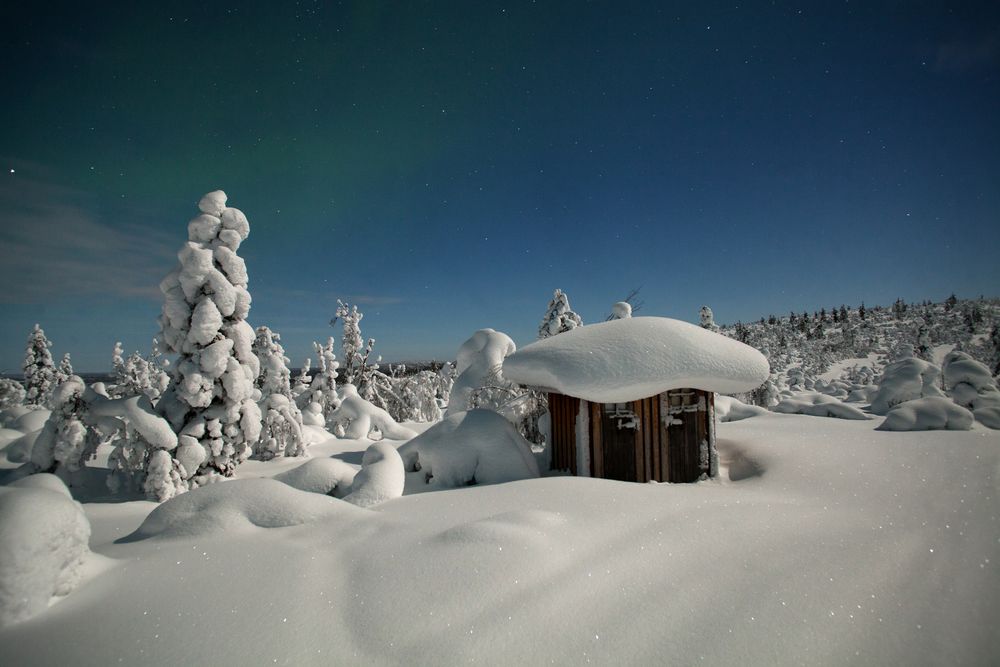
<point x="447" y="165"/>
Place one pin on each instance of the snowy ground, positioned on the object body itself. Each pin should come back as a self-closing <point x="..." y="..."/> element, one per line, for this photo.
<point x="827" y="543"/>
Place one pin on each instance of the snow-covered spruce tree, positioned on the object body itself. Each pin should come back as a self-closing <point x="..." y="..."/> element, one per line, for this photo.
<point x="708" y="319"/>
<point x="39" y="371"/>
<point x="351" y="342"/>
<point x="137" y="375"/>
<point x="323" y="389"/>
<point x="211" y="401"/>
<point x="65" y="369"/>
<point x="559" y="317"/>
<point x="282" y="426"/>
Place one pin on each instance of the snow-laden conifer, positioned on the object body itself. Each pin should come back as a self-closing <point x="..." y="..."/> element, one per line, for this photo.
<point x="64" y="370"/>
<point x="559" y="317"/>
<point x="708" y="319"/>
<point x="282" y="425"/>
<point x="211" y="401"/>
<point x="39" y="371"/>
<point x="323" y="389"/>
<point x="11" y="393"/>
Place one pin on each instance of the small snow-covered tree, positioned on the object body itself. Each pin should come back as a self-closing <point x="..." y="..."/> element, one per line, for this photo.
<point x="302" y="380"/>
<point x="11" y="393"/>
<point x="323" y="389"/>
<point x="282" y="426"/>
<point x="65" y="369"/>
<point x="621" y="310"/>
<point x="558" y="317"/>
<point x="211" y="401"/>
<point x="708" y="319"/>
<point x="351" y="343"/>
<point x="39" y="371"/>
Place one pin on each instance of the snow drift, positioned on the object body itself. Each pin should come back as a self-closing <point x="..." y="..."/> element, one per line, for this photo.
<point x="927" y="414"/>
<point x="816" y="404"/>
<point x="43" y="545"/>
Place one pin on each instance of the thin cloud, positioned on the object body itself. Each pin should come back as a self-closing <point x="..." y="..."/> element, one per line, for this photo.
<point x="966" y="54"/>
<point x="52" y="246"/>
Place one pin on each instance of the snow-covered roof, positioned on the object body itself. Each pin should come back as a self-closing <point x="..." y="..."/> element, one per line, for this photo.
<point x="633" y="358"/>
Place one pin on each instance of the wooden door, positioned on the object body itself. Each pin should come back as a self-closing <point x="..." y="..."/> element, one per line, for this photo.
<point x="685" y="415"/>
<point x="619" y="428"/>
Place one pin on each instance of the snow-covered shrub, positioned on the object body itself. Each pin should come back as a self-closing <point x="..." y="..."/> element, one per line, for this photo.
<point x="927" y="414"/>
<point x="39" y="371"/>
<point x="82" y="418"/>
<point x="44" y="539"/>
<point x="12" y="394"/>
<point x="211" y="401"/>
<point x="970" y="385"/>
<point x="479" y="358"/>
<point x="559" y="317"/>
<point x="359" y="418"/>
<point x="621" y="310"/>
<point x="138" y="375"/>
<point x="904" y="380"/>
<point x="472" y="447"/>
<point x="381" y="477"/>
<point x="282" y="427"/>
<point x="817" y="405"/>
<point x="65" y="442"/>
<point x="414" y="397"/>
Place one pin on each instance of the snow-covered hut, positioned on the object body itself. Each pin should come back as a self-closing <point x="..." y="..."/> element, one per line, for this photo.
<point x="633" y="399"/>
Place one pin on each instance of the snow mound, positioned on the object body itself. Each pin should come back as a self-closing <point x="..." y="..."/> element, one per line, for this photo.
<point x="627" y="359"/>
<point x="478" y="358"/>
<point x="729" y="409"/>
<point x="236" y="505"/>
<point x="514" y="528"/>
<point x="905" y="380"/>
<point x="19" y="451"/>
<point x="331" y="477"/>
<point x="364" y="417"/>
<point x="817" y="405"/>
<point x="970" y="384"/>
<point x="43" y="545"/>
<point x="474" y="447"/>
<point x="381" y="477"/>
<point x="31" y="421"/>
<point x="927" y="414"/>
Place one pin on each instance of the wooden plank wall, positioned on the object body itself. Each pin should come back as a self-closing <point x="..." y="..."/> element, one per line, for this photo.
<point x="563" y="411"/>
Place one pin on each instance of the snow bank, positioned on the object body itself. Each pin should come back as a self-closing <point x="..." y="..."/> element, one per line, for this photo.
<point x="474" y="447"/>
<point x="43" y="545"/>
<point x="905" y="380"/>
<point x="729" y="409"/>
<point x="31" y="421"/>
<point x="927" y="414"/>
<point x="970" y="384"/>
<point x="627" y="359"/>
<point x="381" y="477"/>
<point x="331" y="477"/>
<point x="234" y="506"/>
<point x="478" y="358"/>
<point x="362" y="417"/>
<point x="816" y="404"/>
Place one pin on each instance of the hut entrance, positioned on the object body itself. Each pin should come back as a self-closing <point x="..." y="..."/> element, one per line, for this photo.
<point x="618" y="441"/>
<point x="685" y="414"/>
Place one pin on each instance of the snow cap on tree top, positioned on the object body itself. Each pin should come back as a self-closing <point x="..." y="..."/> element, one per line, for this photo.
<point x="213" y="203"/>
<point x="628" y="359"/>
